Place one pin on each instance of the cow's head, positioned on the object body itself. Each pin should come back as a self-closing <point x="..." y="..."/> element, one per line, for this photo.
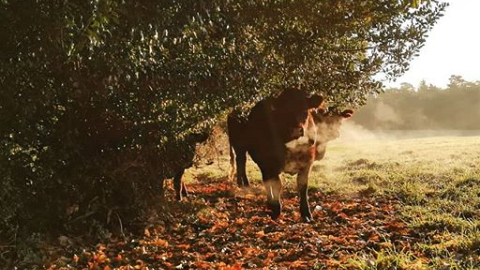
<point x="328" y="123"/>
<point x="292" y="108"/>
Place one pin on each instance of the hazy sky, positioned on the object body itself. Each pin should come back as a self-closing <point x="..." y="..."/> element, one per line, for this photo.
<point x="453" y="47"/>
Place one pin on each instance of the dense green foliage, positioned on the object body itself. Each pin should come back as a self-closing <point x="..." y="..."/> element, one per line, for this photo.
<point x="98" y="99"/>
<point x="425" y="107"/>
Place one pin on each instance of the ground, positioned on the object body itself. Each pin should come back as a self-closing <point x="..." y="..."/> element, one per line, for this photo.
<point x="378" y="203"/>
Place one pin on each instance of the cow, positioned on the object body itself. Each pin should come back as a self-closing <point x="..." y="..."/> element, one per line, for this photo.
<point x="271" y="123"/>
<point x="100" y="130"/>
<point x="186" y="161"/>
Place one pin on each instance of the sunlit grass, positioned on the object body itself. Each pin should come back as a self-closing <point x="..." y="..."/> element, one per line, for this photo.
<point x="437" y="182"/>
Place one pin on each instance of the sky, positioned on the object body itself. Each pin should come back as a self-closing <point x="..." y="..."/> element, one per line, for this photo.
<point x="452" y="48"/>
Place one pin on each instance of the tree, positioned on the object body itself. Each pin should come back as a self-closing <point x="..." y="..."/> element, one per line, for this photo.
<point x="456" y="82"/>
<point x="99" y="98"/>
<point x="453" y="108"/>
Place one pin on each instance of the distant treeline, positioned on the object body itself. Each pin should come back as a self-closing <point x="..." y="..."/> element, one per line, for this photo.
<point x="456" y="107"/>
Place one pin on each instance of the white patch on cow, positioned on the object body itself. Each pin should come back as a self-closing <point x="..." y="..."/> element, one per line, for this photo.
<point x="298" y="143"/>
<point x="318" y="131"/>
<point x="298" y="155"/>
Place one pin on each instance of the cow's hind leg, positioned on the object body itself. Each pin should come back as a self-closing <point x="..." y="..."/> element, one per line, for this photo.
<point x="302" y="186"/>
<point x="233" y="167"/>
<point x="273" y="187"/>
<point x="241" y="160"/>
<point x="180" y="188"/>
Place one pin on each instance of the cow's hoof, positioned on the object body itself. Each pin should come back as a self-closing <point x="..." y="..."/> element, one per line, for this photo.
<point x="307" y="219"/>
<point x="276" y="209"/>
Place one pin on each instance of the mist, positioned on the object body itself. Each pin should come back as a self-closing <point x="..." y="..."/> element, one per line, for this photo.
<point x="409" y="112"/>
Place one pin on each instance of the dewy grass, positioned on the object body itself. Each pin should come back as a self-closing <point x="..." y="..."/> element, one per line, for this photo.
<point x="437" y="181"/>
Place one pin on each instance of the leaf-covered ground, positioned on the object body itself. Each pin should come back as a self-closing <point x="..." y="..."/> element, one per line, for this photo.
<point x="223" y="227"/>
<point x="388" y="204"/>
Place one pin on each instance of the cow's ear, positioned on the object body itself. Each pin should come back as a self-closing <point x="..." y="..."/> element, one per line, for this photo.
<point x="347" y="113"/>
<point x="315" y="101"/>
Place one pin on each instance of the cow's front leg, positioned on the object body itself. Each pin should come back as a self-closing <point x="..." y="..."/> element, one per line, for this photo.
<point x="184" y="190"/>
<point x="273" y="187"/>
<point x="302" y="185"/>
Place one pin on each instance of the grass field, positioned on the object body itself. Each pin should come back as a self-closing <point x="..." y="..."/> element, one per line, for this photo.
<point x="432" y="182"/>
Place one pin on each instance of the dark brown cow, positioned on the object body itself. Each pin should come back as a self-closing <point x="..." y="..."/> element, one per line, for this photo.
<point x="271" y="123"/>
